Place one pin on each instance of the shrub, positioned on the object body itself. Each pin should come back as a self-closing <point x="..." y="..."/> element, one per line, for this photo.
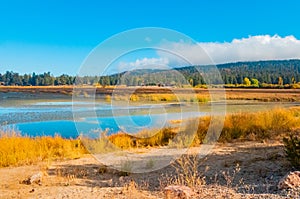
<point x="107" y="98"/>
<point x="187" y="172"/>
<point x="134" y="98"/>
<point x="155" y="137"/>
<point x="121" y="140"/>
<point x="292" y="149"/>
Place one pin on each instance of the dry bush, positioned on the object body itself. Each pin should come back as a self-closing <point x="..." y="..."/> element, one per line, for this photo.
<point x="187" y="172"/>
<point x="155" y="137"/>
<point x="292" y="149"/>
<point x="230" y="175"/>
<point x="98" y="145"/>
<point x="145" y="138"/>
<point x="121" y="140"/>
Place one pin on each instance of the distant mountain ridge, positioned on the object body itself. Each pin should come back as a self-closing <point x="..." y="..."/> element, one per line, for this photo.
<point x="255" y="73"/>
<point x="267" y="72"/>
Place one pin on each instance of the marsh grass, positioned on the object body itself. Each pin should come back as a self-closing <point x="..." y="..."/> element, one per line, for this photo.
<point x="115" y="142"/>
<point x="271" y="124"/>
<point x="19" y="150"/>
<point x="260" y="125"/>
<point x="145" y="138"/>
<point x="156" y="97"/>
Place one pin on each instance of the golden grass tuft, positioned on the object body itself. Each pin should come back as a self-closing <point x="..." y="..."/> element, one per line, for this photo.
<point x="121" y="140"/>
<point x="145" y="138"/>
<point x="260" y="125"/>
<point x="17" y="150"/>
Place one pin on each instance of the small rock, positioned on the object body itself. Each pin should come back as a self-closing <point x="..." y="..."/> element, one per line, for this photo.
<point x="124" y="179"/>
<point x="107" y="183"/>
<point x="35" y="178"/>
<point x="290" y="181"/>
<point x="121" y="179"/>
<point x="178" y="192"/>
<point x="102" y="169"/>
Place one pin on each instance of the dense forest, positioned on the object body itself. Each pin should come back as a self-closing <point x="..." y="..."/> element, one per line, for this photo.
<point x="14" y="79"/>
<point x="241" y="74"/>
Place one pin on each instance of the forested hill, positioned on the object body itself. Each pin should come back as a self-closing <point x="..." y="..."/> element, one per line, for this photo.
<point x="268" y="72"/>
<point x="264" y="71"/>
<point x="253" y="73"/>
<point x="256" y="74"/>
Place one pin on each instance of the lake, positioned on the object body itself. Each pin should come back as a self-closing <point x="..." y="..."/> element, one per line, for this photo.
<point x="51" y="114"/>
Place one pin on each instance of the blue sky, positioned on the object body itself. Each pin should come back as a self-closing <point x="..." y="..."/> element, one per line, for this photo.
<point x="56" y="36"/>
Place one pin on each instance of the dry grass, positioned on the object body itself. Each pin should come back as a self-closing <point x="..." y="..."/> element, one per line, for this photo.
<point x="145" y="138"/>
<point x="187" y="171"/>
<point x="272" y="124"/>
<point x="157" y="97"/>
<point x="261" y="125"/>
<point x="18" y="150"/>
<point x="166" y="94"/>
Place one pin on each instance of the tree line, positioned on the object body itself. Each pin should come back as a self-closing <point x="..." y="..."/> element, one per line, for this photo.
<point x="240" y="74"/>
<point x="11" y="78"/>
<point x="282" y="73"/>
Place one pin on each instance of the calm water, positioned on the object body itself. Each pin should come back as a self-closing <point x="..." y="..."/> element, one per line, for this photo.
<point x="49" y="116"/>
<point x="69" y="119"/>
<point x="93" y="126"/>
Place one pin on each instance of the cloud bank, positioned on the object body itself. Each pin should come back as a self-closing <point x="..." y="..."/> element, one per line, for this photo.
<point x="253" y="48"/>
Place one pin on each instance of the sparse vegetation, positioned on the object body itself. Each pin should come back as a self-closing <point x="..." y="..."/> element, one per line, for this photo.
<point x="292" y="149"/>
<point x="187" y="171"/>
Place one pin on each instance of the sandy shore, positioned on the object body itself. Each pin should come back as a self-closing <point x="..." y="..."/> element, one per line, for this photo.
<point x="261" y="165"/>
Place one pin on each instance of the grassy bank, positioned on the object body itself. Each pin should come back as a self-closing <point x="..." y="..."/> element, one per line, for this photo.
<point x="272" y="124"/>
<point x="166" y="97"/>
<point x="163" y="93"/>
<point x="17" y="150"/>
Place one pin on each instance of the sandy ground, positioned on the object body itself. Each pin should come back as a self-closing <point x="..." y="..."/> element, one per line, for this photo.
<point x="260" y="166"/>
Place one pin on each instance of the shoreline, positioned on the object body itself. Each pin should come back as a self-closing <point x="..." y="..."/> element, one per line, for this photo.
<point x="258" y="94"/>
<point x="257" y="177"/>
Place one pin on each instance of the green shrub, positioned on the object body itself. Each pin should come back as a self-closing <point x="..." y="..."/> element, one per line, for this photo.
<point x="292" y="149"/>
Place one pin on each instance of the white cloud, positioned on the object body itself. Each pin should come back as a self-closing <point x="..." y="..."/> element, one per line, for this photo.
<point x="253" y="48"/>
<point x="145" y="63"/>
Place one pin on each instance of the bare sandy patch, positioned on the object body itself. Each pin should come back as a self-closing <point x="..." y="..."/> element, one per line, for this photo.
<point x="232" y="170"/>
